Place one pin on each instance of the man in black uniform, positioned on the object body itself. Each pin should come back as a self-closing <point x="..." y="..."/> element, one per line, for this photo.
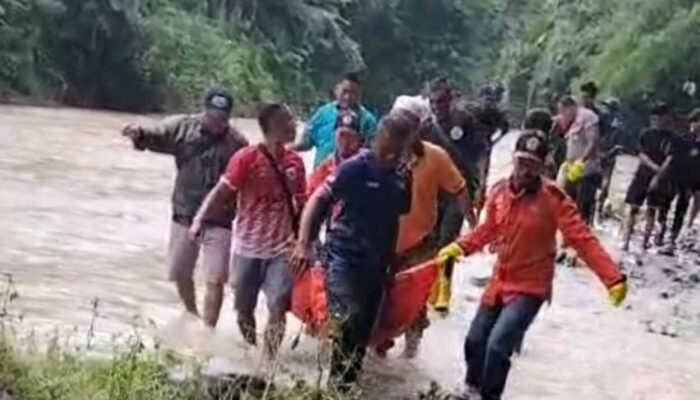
<point x="679" y="179"/>
<point x="655" y="145"/>
<point x="491" y="126"/>
<point x="451" y="130"/>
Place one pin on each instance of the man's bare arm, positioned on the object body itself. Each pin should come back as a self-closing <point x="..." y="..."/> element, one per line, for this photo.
<point x="214" y="203"/>
<point x="315" y="212"/>
<point x="646" y="160"/>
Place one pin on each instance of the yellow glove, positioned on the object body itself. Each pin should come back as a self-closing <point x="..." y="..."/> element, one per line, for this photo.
<point x="451" y="251"/>
<point x="441" y="291"/>
<point x="574" y="170"/>
<point x="444" y="288"/>
<point x="617" y="293"/>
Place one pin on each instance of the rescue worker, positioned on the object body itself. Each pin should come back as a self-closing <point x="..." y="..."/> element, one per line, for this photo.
<point x="679" y="174"/>
<point x="432" y="172"/>
<point x="610" y="149"/>
<point x="539" y="119"/>
<point x="373" y="190"/>
<point x="655" y="145"/>
<point x="607" y="149"/>
<point x="319" y="133"/>
<point x="491" y="126"/>
<point x="267" y="185"/>
<point x="579" y="175"/>
<point x="452" y="129"/>
<point x="524" y="213"/>
<point x="348" y="142"/>
<point x="201" y="146"/>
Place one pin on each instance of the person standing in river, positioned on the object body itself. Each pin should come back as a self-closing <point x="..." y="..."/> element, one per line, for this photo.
<point x="373" y="191"/>
<point x="524" y="212"/>
<point x="320" y="129"/>
<point x="432" y="171"/>
<point x="201" y="146"/>
<point x="655" y="145"/>
<point x="267" y="185"/>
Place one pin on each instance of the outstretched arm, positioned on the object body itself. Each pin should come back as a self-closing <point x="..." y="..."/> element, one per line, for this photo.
<point x="159" y="138"/>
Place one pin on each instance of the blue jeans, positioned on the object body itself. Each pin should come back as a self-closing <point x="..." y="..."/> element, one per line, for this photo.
<point x="493" y="336"/>
<point x="354" y="296"/>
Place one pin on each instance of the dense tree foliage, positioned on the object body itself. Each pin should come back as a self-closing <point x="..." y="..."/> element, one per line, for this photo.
<point x="151" y="54"/>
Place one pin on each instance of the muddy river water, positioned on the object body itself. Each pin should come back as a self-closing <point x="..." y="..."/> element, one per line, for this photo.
<point x="83" y="217"/>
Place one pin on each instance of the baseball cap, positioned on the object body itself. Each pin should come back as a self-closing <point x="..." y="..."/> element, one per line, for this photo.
<point x="347" y="119"/>
<point x="219" y="99"/>
<point x="531" y="145"/>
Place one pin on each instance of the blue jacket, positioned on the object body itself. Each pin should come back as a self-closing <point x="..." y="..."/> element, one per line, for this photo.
<point x="320" y="130"/>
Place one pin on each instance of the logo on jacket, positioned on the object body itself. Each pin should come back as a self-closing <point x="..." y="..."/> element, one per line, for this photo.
<point x="457" y="133"/>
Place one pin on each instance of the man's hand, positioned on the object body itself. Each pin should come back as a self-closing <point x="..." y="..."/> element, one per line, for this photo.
<point x="471" y="216"/>
<point x="450" y="252"/>
<point x="300" y="260"/>
<point x="132" y="131"/>
<point x="617" y="293"/>
<point x="195" y="228"/>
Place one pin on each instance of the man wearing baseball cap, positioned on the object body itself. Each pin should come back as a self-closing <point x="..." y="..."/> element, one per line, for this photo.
<point x="201" y="145"/>
<point x="523" y="213"/>
<point x="348" y="142"/>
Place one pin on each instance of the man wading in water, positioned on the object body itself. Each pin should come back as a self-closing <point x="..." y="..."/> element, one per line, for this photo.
<point x="201" y="145"/>
<point x="373" y="190"/>
<point x="524" y="213"/>
<point x="432" y="172"/>
<point x="267" y="183"/>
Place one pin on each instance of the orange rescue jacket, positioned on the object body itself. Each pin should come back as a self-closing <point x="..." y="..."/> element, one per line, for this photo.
<point x="523" y="227"/>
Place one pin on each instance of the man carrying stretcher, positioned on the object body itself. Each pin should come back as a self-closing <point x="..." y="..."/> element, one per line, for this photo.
<point x="523" y="213"/>
<point x="373" y="190"/>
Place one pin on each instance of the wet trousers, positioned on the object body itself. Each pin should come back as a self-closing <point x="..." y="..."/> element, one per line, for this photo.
<point x="449" y="222"/>
<point x="493" y="336"/>
<point x="354" y="297"/>
<point x="584" y="194"/>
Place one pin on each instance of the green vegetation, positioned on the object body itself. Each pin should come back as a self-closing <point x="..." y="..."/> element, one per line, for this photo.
<point x="637" y="50"/>
<point x="130" y="374"/>
<point x="155" y="54"/>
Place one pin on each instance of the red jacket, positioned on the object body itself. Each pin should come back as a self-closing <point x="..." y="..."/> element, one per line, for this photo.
<point x="524" y="226"/>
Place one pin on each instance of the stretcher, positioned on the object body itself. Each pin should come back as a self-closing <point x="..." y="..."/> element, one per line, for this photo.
<point x="406" y="297"/>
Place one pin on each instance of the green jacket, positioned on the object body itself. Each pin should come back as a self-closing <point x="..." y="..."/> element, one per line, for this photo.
<point x="200" y="158"/>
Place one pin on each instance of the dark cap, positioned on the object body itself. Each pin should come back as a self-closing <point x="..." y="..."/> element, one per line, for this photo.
<point x="220" y="99"/>
<point x="531" y="145"/>
<point x="347" y="119"/>
<point x="694" y="115"/>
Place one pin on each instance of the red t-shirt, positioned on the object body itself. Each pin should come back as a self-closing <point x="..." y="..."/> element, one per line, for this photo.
<point x="263" y="224"/>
